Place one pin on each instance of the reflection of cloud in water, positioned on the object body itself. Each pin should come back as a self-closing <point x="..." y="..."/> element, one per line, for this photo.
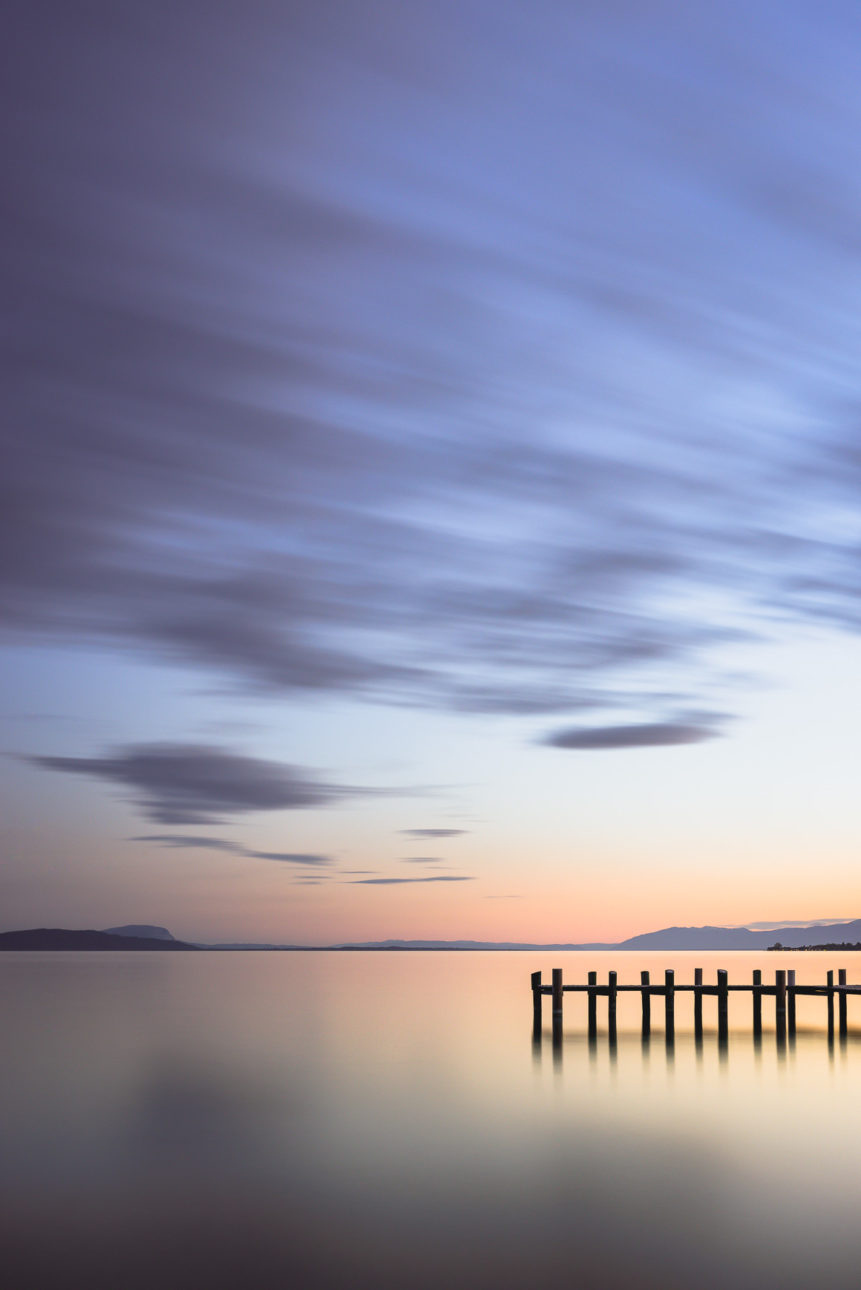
<point x="305" y="1121"/>
<point x="191" y="1117"/>
<point x="211" y="1190"/>
<point x="585" y="1218"/>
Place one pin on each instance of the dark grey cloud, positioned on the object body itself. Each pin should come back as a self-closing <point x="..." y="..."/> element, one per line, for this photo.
<point x="795" y="922"/>
<point x="188" y="841"/>
<point x="434" y="833"/>
<point x="391" y="882"/>
<point x="290" y="857"/>
<point x="200" y="843"/>
<point x="421" y="860"/>
<point x="201" y="783"/>
<point x="326" y="379"/>
<point x="655" y="735"/>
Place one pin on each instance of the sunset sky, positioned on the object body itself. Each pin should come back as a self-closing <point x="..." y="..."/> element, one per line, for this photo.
<point x="432" y="466"/>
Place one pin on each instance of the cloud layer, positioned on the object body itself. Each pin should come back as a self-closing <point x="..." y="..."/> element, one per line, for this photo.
<point x="655" y="735"/>
<point x="393" y="882"/>
<point x="202" y="784"/>
<point x="317" y="389"/>
<point x="197" y="843"/>
<point x="434" y="833"/>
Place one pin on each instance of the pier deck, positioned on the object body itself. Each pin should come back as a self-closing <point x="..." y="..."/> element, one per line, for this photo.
<point x="785" y="991"/>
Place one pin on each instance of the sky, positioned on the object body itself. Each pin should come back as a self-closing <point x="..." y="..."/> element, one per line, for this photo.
<point x="431" y="467"/>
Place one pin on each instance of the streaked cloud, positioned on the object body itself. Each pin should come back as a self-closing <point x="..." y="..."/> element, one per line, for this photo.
<point x="653" y="735"/>
<point x="198" y="843"/>
<point x="434" y="833"/>
<point x="511" y="419"/>
<point x="201" y="783"/>
<point x="290" y="857"/>
<point x="188" y="841"/>
<point x="393" y="882"/>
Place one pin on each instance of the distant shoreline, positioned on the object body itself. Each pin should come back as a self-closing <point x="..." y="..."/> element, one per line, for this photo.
<point x="673" y="940"/>
<point x="844" y="947"/>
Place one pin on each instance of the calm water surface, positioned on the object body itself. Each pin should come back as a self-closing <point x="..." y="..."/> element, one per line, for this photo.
<point x="383" y="1119"/>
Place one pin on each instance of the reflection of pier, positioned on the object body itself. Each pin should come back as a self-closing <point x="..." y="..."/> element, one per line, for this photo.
<point x="785" y="992"/>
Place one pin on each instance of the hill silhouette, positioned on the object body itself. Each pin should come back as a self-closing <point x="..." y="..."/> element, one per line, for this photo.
<point x="61" y="938"/>
<point x="148" y="937"/>
<point x="141" y="929"/>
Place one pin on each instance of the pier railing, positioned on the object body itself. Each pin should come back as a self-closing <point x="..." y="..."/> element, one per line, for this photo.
<point x="785" y="992"/>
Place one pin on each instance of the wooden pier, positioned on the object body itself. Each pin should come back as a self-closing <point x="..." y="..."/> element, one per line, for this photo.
<point x="785" y="993"/>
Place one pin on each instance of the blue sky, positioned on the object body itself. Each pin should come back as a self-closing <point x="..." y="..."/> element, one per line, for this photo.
<point x="431" y="416"/>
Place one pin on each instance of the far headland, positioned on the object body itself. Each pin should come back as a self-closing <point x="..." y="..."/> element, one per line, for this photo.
<point x="148" y="937"/>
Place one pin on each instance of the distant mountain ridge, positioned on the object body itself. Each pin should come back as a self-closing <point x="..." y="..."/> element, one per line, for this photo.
<point x="147" y="930"/>
<point x="667" y="938"/>
<point x="736" y="938"/>
<point x="62" y="938"/>
<point x="142" y="936"/>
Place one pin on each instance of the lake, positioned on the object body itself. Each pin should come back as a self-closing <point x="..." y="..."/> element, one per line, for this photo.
<point x="384" y="1119"/>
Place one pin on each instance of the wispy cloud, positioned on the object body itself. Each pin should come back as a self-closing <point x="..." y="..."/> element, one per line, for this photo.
<point x="199" y="843"/>
<point x="623" y="436"/>
<point x="393" y="882"/>
<point x="794" y="922"/>
<point x="188" y="841"/>
<point x="434" y="833"/>
<point x="653" y="735"/>
<point x="173" y="783"/>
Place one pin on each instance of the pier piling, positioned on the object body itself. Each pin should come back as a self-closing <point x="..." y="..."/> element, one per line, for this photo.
<point x="698" y="1003"/>
<point x="841" y="980"/>
<point x="537" y="998"/>
<point x="670" y="1004"/>
<point x="757" y="1003"/>
<point x="556" y="989"/>
<point x="830" y="989"/>
<point x="780" y="1004"/>
<point x="611" y="1005"/>
<point x="593" y="1005"/>
<point x="723" y="1006"/>
<point x="647" y="1004"/>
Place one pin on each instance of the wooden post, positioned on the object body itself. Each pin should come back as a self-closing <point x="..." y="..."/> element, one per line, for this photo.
<point x="647" y="1004"/>
<point x="723" y="1006"/>
<point x="593" y="1005"/>
<point x="670" y="1004"/>
<point x="757" y="1004"/>
<point x="841" y="1003"/>
<point x="698" y="1003"/>
<point x="557" y="991"/>
<point x="780" y="1003"/>
<point x="536" y="1004"/>
<point x="557" y="1015"/>
<point x="830" y="980"/>
<point x="790" y="999"/>
<point x="611" y="1006"/>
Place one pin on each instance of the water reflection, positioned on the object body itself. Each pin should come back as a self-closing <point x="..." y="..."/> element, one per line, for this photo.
<point x="783" y="1043"/>
<point x="606" y="1046"/>
<point x="273" y="1119"/>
